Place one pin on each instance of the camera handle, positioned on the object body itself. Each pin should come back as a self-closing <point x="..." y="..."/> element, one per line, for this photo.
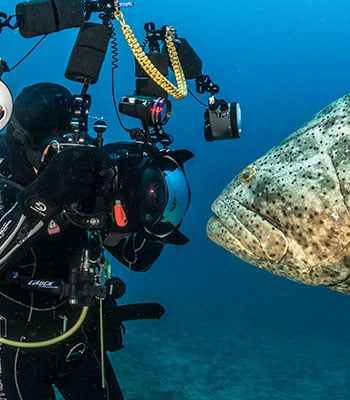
<point x="156" y="134"/>
<point x="81" y="109"/>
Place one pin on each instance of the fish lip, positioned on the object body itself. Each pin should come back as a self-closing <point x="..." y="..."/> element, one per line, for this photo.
<point x="257" y="252"/>
<point x="215" y="219"/>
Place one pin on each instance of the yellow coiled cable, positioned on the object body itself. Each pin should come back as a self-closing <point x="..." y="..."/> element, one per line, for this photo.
<point x="177" y="92"/>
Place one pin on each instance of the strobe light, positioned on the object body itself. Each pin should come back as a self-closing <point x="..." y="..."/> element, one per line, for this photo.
<point x="222" y="120"/>
<point x="6" y="105"/>
<point x="152" y="111"/>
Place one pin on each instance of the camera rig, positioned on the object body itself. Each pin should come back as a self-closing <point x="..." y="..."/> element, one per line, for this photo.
<point x="161" y="51"/>
<point x="149" y="104"/>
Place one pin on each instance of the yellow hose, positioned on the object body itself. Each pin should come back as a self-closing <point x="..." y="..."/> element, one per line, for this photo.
<point x="149" y="67"/>
<point x="102" y="346"/>
<point x="49" y="342"/>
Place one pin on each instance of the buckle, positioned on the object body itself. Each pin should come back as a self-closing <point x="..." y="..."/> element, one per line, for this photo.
<point x="3" y="326"/>
<point x="76" y="352"/>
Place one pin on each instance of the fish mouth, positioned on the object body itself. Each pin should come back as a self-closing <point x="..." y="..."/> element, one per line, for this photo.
<point x="245" y="233"/>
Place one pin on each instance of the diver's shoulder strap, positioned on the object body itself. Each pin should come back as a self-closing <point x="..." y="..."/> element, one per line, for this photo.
<point x="15" y="229"/>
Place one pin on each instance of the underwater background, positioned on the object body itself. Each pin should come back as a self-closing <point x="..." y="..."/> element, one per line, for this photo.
<point x="230" y="330"/>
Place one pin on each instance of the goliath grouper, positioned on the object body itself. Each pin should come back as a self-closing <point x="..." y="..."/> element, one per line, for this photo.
<point x="289" y="211"/>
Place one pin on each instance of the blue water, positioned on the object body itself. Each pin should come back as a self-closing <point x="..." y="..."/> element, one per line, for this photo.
<point x="231" y="331"/>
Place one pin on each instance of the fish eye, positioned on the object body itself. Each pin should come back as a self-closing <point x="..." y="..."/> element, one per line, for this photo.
<point x="248" y="173"/>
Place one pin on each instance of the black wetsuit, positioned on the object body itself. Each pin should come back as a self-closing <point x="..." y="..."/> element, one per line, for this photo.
<point x="72" y="365"/>
<point x="28" y="374"/>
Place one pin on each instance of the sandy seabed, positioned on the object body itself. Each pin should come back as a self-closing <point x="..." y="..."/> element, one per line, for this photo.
<point x="216" y="360"/>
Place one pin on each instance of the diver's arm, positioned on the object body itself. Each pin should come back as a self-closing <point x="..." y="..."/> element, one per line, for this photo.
<point x="72" y="175"/>
<point x="16" y="229"/>
<point x="137" y="252"/>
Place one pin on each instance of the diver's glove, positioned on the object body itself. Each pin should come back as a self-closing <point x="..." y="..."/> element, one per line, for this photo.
<point x="73" y="174"/>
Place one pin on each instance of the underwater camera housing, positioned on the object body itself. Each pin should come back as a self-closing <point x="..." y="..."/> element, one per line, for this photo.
<point x="222" y="120"/>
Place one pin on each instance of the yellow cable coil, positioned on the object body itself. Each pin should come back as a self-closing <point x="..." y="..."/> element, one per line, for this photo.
<point x="149" y="67"/>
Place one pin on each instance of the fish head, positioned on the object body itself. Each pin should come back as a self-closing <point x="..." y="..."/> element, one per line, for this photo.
<point x="288" y="212"/>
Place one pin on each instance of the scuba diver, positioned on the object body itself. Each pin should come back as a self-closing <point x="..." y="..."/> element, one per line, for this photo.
<point x="52" y="194"/>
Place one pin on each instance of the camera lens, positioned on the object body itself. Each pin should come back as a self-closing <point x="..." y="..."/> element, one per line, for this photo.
<point x="160" y="111"/>
<point x="153" y="196"/>
<point x="236" y="118"/>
